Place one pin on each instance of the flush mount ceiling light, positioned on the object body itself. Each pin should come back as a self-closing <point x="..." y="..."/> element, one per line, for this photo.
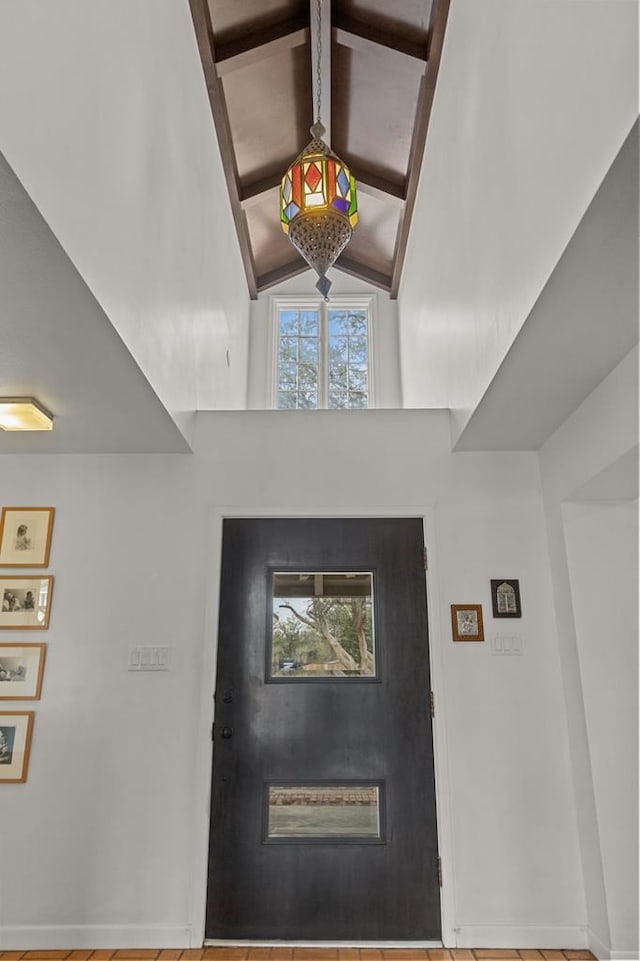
<point x="24" y="413"/>
<point x="318" y="202"/>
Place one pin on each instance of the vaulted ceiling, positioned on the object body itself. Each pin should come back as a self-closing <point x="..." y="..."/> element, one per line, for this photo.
<point x="384" y="60"/>
<point x="112" y="162"/>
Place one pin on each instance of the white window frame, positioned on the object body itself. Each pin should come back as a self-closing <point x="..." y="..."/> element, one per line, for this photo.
<point x="309" y="302"/>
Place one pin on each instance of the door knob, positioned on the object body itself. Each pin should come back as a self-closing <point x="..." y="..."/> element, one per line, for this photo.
<point x="227" y="732"/>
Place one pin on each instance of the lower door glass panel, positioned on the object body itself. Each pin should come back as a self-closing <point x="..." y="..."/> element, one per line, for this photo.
<point x="349" y="812"/>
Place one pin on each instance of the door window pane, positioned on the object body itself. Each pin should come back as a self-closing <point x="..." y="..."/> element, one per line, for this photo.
<point x="322" y="625"/>
<point x="347" y="811"/>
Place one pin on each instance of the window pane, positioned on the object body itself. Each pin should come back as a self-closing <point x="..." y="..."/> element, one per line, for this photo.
<point x="307" y="400"/>
<point x="357" y="400"/>
<point x="358" y="350"/>
<point x="358" y="322"/>
<point x="307" y="377"/>
<point x="323" y="811"/>
<point x="348" y="347"/>
<point x="338" y="376"/>
<point x="337" y="322"/>
<point x="308" y="350"/>
<point x="286" y="400"/>
<point x="322" y="625"/>
<point x="338" y="350"/>
<point x="357" y="379"/>
<point x="288" y="322"/>
<point x="288" y="377"/>
<point x="303" y="372"/>
<point x="338" y="399"/>
<point x="298" y="359"/>
<point x="288" y="350"/>
<point x="309" y="323"/>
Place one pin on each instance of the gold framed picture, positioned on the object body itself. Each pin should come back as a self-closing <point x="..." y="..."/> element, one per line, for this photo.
<point x="25" y="536"/>
<point x="16" y="728"/>
<point x="21" y="670"/>
<point x="25" y="603"/>
<point x="466" y="622"/>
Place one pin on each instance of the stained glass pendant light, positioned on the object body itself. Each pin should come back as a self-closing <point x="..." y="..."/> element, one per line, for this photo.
<point x="318" y="202"/>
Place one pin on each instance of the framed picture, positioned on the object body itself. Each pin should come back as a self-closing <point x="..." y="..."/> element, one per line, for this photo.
<point x="15" y="742"/>
<point x="505" y="598"/>
<point x="466" y="622"/>
<point x="25" y="603"/>
<point x="25" y="536"/>
<point x="21" y="669"/>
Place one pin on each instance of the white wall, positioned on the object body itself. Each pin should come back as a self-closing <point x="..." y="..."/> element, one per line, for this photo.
<point x="564" y="344"/>
<point x="602" y="548"/>
<point x="106" y="842"/>
<point x="513" y="158"/>
<point x="386" y="360"/>
<point x="57" y="345"/>
<point x="105" y="119"/>
<point x="95" y="846"/>
<point x="601" y="434"/>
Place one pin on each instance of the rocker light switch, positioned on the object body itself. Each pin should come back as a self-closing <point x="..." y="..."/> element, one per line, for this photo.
<point x="149" y="659"/>
<point x="507" y="644"/>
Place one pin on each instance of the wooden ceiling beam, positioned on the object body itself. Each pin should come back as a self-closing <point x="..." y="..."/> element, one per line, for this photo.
<point x="255" y="47"/>
<point x="252" y="192"/>
<point x="276" y="276"/>
<point x="346" y="264"/>
<point x="439" y="14"/>
<point x="375" y="185"/>
<point x="204" y="35"/>
<point x="362" y="36"/>
<point x="355" y="269"/>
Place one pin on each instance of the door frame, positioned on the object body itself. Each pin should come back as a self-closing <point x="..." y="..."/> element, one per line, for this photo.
<point x="200" y="814"/>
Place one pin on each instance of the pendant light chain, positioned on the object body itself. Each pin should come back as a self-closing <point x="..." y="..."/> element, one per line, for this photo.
<point x="319" y="63"/>
<point x="318" y="198"/>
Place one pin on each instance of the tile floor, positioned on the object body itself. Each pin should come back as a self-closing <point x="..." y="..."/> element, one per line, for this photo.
<point x="301" y="954"/>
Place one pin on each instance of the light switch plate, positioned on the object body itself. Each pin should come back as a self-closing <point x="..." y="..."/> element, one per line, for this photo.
<point x="507" y="644"/>
<point x="149" y="659"/>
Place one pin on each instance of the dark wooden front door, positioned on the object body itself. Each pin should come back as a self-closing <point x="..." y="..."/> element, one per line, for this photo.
<point x="323" y="816"/>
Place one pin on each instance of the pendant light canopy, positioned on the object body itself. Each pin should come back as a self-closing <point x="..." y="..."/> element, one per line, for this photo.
<point x="318" y="201"/>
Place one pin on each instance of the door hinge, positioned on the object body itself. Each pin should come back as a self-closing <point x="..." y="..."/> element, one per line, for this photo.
<point x="440" y="872"/>
<point x="425" y="558"/>
<point x="432" y="704"/>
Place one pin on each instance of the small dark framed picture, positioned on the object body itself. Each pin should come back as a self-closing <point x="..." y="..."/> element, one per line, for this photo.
<point x="505" y="597"/>
<point x="466" y="622"/>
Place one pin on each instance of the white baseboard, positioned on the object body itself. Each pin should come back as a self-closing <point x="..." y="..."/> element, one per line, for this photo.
<point x="597" y="946"/>
<point x="520" y="936"/>
<point x="77" y="936"/>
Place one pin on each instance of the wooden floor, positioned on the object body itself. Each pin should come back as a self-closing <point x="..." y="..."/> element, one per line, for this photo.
<point x="302" y="954"/>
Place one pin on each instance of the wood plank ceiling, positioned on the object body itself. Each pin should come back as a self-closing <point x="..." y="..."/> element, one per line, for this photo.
<point x="256" y="57"/>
